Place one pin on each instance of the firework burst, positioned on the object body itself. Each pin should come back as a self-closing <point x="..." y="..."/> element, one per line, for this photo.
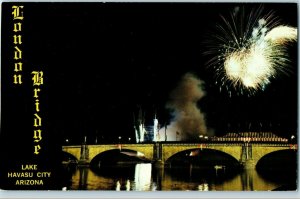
<point x="248" y="50"/>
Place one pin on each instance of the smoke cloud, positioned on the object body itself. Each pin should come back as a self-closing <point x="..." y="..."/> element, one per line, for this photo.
<point x="188" y="120"/>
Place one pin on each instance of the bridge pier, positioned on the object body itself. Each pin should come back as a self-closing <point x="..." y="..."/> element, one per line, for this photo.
<point x="157" y="155"/>
<point x="248" y="164"/>
<point x="247" y="161"/>
<point x="84" y="155"/>
<point x="158" y="163"/>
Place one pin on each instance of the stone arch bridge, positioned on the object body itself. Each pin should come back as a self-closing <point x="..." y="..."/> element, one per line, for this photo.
<point x="247" y="154"/>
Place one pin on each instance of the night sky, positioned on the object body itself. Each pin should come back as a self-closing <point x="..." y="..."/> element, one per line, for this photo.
<point x="102" y="61"/>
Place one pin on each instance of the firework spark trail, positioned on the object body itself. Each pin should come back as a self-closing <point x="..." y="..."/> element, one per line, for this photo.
<point x="282" y="34"/>
<point x="248" y="53"/>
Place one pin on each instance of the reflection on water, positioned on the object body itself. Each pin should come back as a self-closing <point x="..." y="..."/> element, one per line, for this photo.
<point x="142" y="177"/>
<point x="147" y="177"/>
<point x="203" y="187"/>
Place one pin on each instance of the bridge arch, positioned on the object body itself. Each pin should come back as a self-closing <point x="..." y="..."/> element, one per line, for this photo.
<point x="72" y="150"/>
<point x="231" y="149"/>
<point x="145" y="149"/>
<point x="115" y="155"/>
<point x="68" y="156"/>
<point x="220" y="157"/>
<point x="260" y="151"/>
<point x="286" y="156"/>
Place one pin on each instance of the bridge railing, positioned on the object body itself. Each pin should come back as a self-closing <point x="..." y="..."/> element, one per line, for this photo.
<point x="189" y="143"/>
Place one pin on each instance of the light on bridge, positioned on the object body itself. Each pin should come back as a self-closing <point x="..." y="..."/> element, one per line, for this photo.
<point x="292" y="137"/>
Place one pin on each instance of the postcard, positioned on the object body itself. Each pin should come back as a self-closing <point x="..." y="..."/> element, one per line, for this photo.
<point x="148" y="96"/>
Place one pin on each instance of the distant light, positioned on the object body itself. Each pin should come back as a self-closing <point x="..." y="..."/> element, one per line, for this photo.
<point x="200" y="136"/>
<point x="206" y="137"/>
<point x="67" y="140"/>
<point x="120" y="137"/>
<point x="292" y="137"/>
